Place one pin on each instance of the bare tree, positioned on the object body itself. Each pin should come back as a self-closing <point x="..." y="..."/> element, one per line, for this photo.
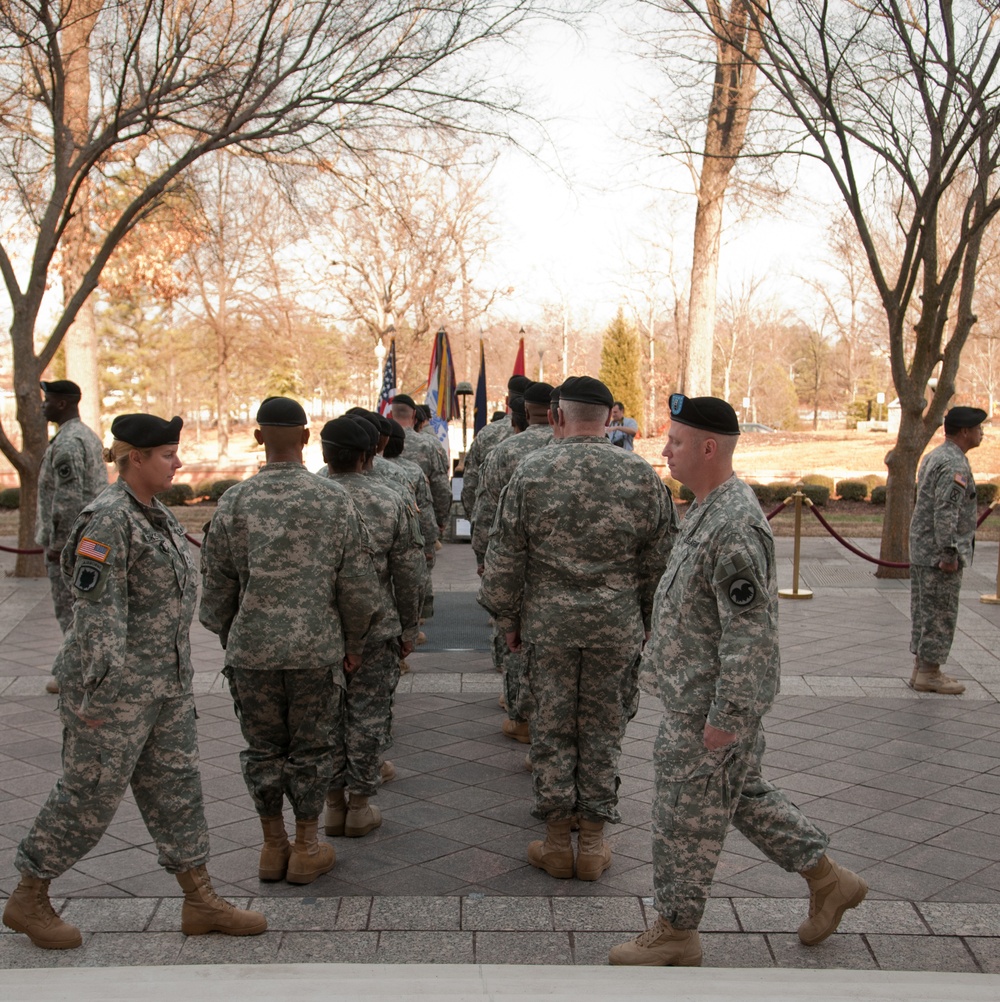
<point x="91" y="90"/>
<point x="900" y="101"/>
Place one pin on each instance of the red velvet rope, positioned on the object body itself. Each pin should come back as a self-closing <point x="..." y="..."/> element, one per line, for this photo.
<point x="14" y="549"/>
<point x="191" y="539"/>
<point x="843" y="542"/>
<point x="781" y="507"/>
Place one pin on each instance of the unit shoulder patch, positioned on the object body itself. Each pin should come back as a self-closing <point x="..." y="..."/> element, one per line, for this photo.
<point x="89" y="580"/>
<point x="736" y="579"/>
<point x="93" y="550"/>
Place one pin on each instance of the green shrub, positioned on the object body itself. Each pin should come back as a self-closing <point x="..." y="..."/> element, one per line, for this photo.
<point x="10" y="497"/>
<point x="220" y="487"/>
<point x="819" y="494"/>
<point x="685" y="493"/>
<point x="818" y="480"/>
<point x="986" y="493"/>
<point x="674" y="486"/>
<point x="878" y="495"/>
<point x="176" y="494"/>
<point x="203" y="488"/>
<point x="852" y="490"/>
<point x="873" y="480"/>
<point x="771" y="494"/>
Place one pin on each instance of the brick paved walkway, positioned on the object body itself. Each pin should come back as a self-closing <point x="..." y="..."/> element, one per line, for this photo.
<point x="908" y="786"/>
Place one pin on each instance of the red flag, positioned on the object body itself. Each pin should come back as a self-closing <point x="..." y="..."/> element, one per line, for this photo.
<point x="519" y="361"/>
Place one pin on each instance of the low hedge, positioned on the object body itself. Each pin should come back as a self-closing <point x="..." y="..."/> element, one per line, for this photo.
<point x="819" y="494"/>
<point x="10" y="497"/>
<point x="852" y="490"/>
<point x="818" y="480"/>
<point x="878" y="494"/>
<point x="176" y="495"/>
<point x="685" y="493"/>
<point x="219" y="487"/>
<point x="873" y="480"/>
<point x="986" y="493"/>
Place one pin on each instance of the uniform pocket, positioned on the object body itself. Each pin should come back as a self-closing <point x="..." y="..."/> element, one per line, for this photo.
<point x="680" y="751"/>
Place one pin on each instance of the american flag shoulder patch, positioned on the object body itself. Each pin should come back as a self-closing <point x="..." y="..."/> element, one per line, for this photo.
<point x="93" y="549"/>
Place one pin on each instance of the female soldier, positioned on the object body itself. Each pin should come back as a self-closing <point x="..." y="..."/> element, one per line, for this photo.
<point x="127" y="708"/>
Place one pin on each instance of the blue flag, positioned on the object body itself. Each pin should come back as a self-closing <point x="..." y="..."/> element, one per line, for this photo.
<point x="480" y="418"/>
<point x="388" y="390"/>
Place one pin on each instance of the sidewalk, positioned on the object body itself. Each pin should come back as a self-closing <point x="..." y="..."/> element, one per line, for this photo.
<point x="908" y="785"/>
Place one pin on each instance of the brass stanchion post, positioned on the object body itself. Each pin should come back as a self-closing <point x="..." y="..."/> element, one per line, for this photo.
<point x="795" y="591"/>
<point x="993" y="599"/>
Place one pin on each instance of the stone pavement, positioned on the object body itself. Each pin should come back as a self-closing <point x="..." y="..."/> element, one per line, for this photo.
<point x="908" y="785"/>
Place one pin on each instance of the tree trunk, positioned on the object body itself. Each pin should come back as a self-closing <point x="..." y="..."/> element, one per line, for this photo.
<point x="705" y="277"/>
<point x="82" y="363"/>
<point x="222" y="398"/>
<point x="901" y="462"/>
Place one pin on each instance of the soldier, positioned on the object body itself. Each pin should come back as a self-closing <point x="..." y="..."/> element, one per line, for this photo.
<point x="580" y="539"/>
<point x="486" y="439"/>
<point x="365" y="726"/>
<point x="942" y="539"/>
<point x="72" y="473"/>
<point x="501" y="463"/>
<point x="713" y="658"/>
<point x="126" y="704"/>
<point x="427" y="453"/>
<point x="289" y="587"/>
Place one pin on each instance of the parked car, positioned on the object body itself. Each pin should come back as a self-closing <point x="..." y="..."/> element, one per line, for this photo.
<point x="754" y="426"/>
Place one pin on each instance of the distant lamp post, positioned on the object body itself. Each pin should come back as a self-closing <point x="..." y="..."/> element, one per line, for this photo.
<point x="380" y="353"/>
<point x="464" y="390"/>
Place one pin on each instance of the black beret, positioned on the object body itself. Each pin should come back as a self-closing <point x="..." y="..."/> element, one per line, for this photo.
<point x="425" y="411"/>
<point x="396" y="431"/>
<point x="404" y="398"/>
<point x="371" y="430"/>
<point x="538" y="393"/>
<point x="370" y="416"/>
<point x="586" y="390"/>
<point x="281" y="412"/>
<point x="60" y="388"/>
<point x="383" y="425"/>
<point x="554" y="395"/>
<point x="706" y="413"/>
<point x="963" y="417"/>
<point x="518" y="384"/>
<point x="345" y="433"/>
<point x="516" y="404"/>
<point x="146" y="431"/>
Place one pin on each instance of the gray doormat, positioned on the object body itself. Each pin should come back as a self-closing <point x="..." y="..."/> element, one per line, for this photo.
<point x="459" y="624"/>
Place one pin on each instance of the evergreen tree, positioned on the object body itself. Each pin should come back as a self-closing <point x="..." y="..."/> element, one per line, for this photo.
<point x="620" y="366"/>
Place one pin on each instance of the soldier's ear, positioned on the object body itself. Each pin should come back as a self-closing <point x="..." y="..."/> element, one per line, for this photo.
<point x="258" y="436"/>
<point x="305" y="436"/>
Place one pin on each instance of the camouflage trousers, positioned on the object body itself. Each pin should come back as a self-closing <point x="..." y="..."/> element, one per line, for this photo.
<point x="150" y="741"/>
<point x="288" y="718"/>
<point x="363" y="729"/>
<point x="516" y="692"/>
<point x="698" y="793"/>
<point x="933" y="612"/>
<point x="583" y="699"/>
<point x="62" y="595"/>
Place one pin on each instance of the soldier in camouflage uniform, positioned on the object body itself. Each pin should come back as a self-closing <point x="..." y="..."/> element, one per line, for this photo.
<point x="399" y="562"/>
<point x="427" y="453"/>
<point x="713" y="659"/>
<point x="72" y="473"/>
<point x="487" y="438"/>
<point x="942" y="541"/>
<point x="289" y="587"/>
<point x="126" y="703"/>
<point x="499" y="468"/>
<point x="580" y="538"/>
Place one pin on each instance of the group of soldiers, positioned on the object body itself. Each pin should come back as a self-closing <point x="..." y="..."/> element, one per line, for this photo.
<point x="317" y="585"/>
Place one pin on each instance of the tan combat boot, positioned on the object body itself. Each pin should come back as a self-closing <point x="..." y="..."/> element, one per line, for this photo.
<point x="555" y="854"/>
<point x="335" y="815"/>
<point x="659" y="946"/>
<point x="310" y="857"/>
<point x="52" y="686"/>
<point x="928" y="677"/>
<point x="404" y="666"/>
<point x="593" y="855"/>
<point x="517" y="731"/>
<point x="387" y="771"/>
<point x="275" y="851"/>
<point x="832" y="890"/>
<point x="30" y="911"/>
<point x="204" y="911"/>
<point x="362" y="817"/>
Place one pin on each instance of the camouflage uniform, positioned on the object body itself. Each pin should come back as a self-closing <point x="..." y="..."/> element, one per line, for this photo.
<point x="580" y="538"/>
<point x="365" y="726"/>
<point x="125" y="673"/>
<point x="713" y="656"/>
<point x="501" y="463"/>
<point x="488" y="438"/>
<point x="943" y="527"/>
<point x="426" y="451"/>
<point x="288" y="586"/>
<point x="72" y="473"/>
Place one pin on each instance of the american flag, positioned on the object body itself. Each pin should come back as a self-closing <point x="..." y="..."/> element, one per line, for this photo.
<point x="388" y="390"/>
<point x="93" y="549"/>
